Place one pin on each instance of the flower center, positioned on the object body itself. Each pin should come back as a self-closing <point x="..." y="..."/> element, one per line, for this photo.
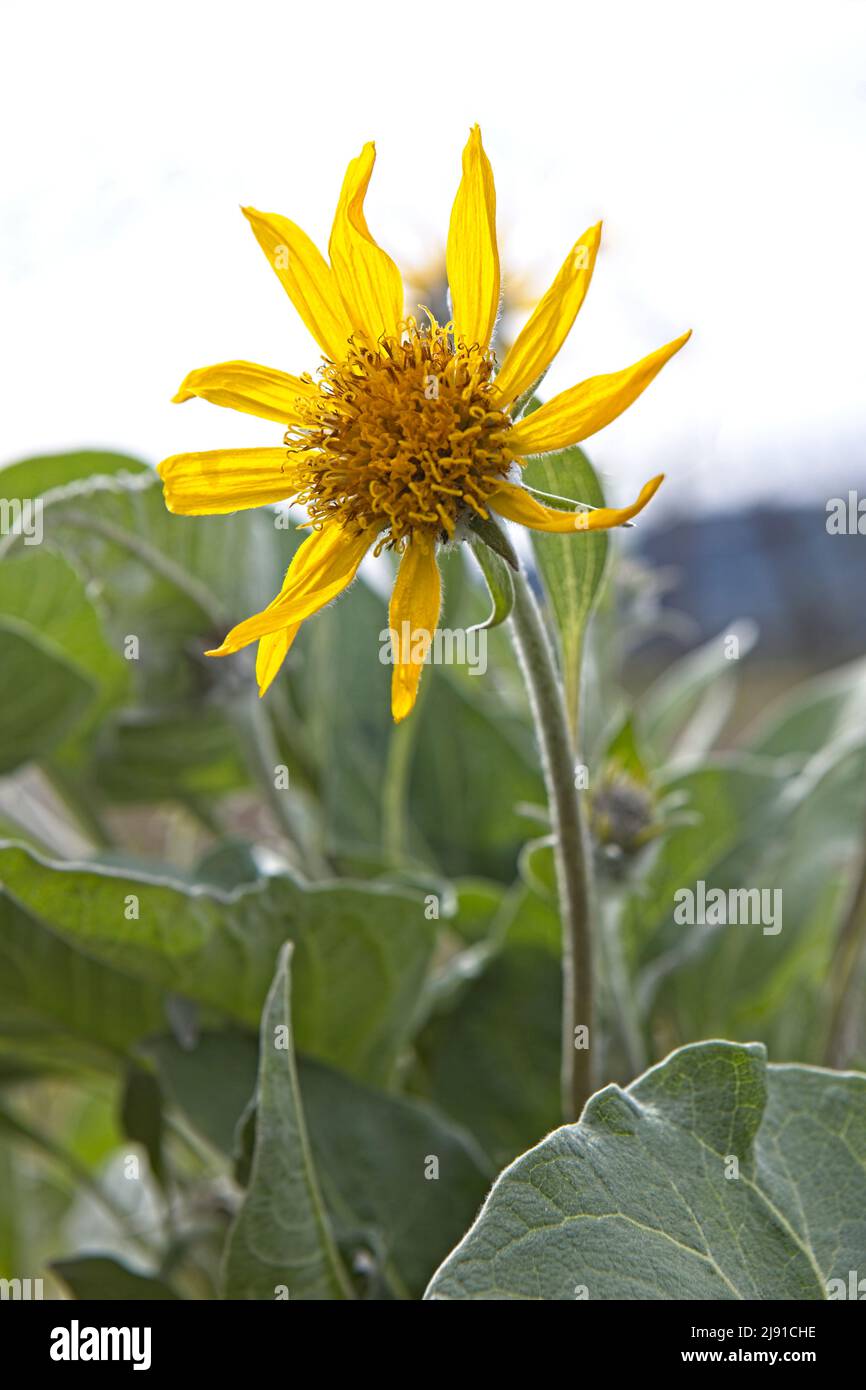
<point x="407" y="437"/>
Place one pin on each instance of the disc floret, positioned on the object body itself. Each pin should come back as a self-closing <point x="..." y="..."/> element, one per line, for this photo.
<point x="404" y="437"/>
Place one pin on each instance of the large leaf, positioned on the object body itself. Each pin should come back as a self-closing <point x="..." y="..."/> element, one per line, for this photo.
<point x="51" y="993"/>
<point x="400" y="1182"/>
<point x="43" y="590"/>
<point x="363" y="950"/>
<point x="282" y="1243"/>
<point x="713" y="1176"/>
<point x="43" y="696"/>
<point x="33" y="477"/>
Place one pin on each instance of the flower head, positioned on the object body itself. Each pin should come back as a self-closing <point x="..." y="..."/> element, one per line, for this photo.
<point x="409" y="431"/>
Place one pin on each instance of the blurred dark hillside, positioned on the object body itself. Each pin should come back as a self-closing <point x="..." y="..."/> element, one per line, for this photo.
<point x="779" y="566"/>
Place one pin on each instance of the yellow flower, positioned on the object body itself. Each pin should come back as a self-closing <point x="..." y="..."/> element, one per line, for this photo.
<point x="410" y="432"/>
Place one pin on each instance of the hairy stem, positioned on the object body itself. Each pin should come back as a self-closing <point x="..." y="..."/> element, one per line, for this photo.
<point x="535" y="652"/>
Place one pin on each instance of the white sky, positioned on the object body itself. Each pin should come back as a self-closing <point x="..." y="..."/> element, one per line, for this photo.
<point x="723" y="145"/>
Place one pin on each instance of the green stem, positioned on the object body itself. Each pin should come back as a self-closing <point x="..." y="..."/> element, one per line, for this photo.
<point x="547" y="701"/>
<point x="395" y="786"/>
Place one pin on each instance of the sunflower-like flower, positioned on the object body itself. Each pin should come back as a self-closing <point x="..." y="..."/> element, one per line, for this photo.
<point x="410" y="433"/>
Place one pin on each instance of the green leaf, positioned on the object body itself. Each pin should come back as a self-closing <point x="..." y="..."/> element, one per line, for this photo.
<point x="42" y="694"/>
<point x="32" y="477"/>
<point x="160" y="755"/>
<point x="722" y="808"/>
<point x="99" y="1278"/>
<point x="363" y="950"/>
<point x="495" y="538"/>
<point x="51" y="994"/>
<point x="401" y="1182"/>
<point x="187" y="1076"/>
<point x="572" y="567"/>
<point x="623" y="752"/>
<point x="746" y="983"/>
<point x="643" y="1200"/>
<point x="346" y="739"/>
<point x="686" y="708"/>
<point x="491" y="1060"/>
<point x="141" y="1116"/>
<point x="831" y="709"/>
<point x="282" y="1238"/>
<point x="43" y="590"/>
<point x="465" y="733"/>
<point x="498" y="576"/>
<point x="175" y="583"/>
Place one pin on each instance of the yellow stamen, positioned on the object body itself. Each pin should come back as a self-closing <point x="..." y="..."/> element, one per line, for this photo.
<point x="408" y="436"/>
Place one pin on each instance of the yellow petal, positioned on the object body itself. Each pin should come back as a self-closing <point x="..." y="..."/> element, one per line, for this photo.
<point x="415" y="602"/>
<point x="274" y="648"/>
<point x="306" y="277"/>
<point x="516" y="504"/>
<point x="248" y="387"/>
<point x="227" y="480"/>
<point x="575" y="414"/>
<point x="538" y="343"/>
<point x="472" y="256"/>
<point x="368" y="280"/>
<point x="271" y="654"/>
<point x="324" y="565"/>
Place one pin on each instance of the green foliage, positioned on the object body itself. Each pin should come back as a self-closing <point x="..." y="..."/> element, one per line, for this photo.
<point x="713" y="1176"/>
<point x="175" y="849"/>
<point x="264" y="1254"/>
<point x="363" y="950"/>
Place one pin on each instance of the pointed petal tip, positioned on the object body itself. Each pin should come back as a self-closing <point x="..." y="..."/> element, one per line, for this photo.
<point x="403" y="701"/>
<point x="649" y="489"/>
<point x="367" y="155"/>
